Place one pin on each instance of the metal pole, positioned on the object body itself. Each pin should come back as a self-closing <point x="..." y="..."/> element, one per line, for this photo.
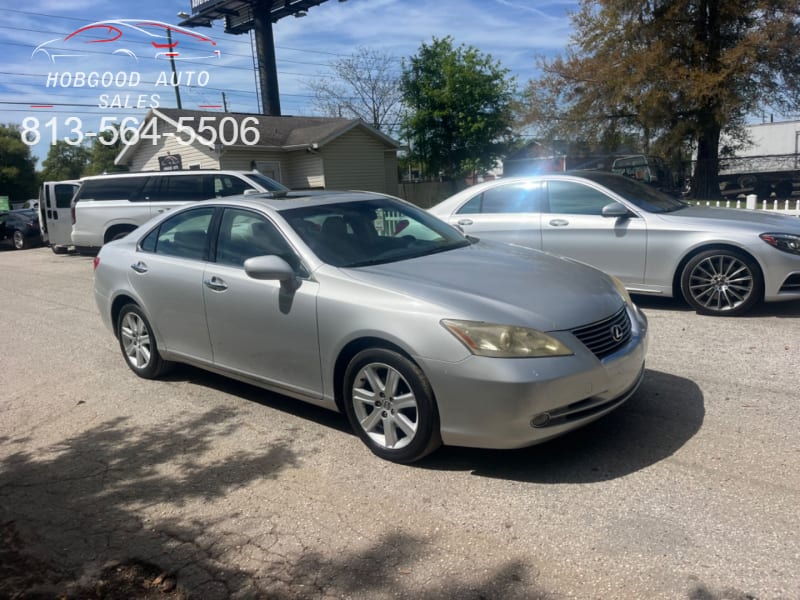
<point x="174" y="73"/>
<point x="267" y="66"/>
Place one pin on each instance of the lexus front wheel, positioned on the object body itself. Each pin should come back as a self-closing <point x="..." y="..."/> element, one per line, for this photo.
<point x="390" y="405"/>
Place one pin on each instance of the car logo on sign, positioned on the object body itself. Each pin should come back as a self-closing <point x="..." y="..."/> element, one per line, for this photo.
<point x="120" y="36"/>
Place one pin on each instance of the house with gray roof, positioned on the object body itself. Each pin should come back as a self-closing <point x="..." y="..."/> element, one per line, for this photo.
<point x="300" y="152"/>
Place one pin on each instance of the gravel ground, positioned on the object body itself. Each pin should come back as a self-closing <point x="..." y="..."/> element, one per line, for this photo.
<point x="196" y="486"/>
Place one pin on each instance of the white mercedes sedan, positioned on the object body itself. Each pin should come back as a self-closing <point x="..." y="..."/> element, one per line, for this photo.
<point x="721" y="261"/>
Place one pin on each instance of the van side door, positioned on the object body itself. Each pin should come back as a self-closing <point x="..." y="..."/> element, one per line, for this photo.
<point x="56" y="206"/>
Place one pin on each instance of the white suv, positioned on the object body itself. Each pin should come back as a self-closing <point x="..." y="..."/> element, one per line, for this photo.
<point x="108" y="207"/>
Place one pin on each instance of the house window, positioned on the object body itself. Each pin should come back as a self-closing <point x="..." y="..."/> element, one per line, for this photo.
<point x="270" y="168"/>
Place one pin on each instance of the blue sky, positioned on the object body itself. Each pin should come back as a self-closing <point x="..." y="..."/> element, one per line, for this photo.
<point x="514" y="32"/>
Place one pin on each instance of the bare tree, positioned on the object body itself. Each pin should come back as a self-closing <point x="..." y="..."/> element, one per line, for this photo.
<point x="678" y="72"/>
<point x="366" y="85"/>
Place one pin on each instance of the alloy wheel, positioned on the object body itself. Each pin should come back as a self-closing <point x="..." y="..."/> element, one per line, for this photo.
<point x="135" y="338"/>
<point x="385" y="406"/>
<point x="721" y="283"/>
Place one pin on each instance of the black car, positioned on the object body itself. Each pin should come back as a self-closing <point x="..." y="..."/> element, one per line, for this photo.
<point x="21" y="228"/>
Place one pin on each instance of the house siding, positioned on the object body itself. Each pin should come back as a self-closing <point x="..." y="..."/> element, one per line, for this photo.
<point x="345" y="156"/>
<point x="305" y="171"/>
<point x="245" y="159"/>
<point x="298" y="170"/>
<point x="390" y="173"/>
<point x="146" y="156"/>
<point x="355" y="161"/>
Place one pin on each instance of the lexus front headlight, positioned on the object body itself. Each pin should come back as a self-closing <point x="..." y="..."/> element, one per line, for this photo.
<point x="505" y="341"/>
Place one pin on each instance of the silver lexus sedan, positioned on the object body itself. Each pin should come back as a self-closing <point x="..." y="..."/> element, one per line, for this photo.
<point x="722" y="261"/>
<point x="368" y="305"/>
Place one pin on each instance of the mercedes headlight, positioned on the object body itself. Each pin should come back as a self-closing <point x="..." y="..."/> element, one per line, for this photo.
<point x="788" y="242"/>
<point x="505" y="341"/>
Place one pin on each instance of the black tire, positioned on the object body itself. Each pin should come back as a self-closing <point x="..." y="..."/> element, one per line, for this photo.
<point x="784" y="189"/>
<point x="138" y="344"/>
<point x="118" y="235"/>
<point x="59" y="249"/>
<point x="399" y="421"/>
<point x="763" y="190"/>
<point x="19" y="239"/>
<point x="722" y="282"/>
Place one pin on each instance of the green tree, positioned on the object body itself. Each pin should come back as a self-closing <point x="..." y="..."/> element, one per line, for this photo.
<point x="366" y="86"/>
<point x="65" y="161"/>
<point x="459" y="108"/>
<point x="17" y="166"/>
<point x="103" y="152"/>
<point x="677" y="73"/>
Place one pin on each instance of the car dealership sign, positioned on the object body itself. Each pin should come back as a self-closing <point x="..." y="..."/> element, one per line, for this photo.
<point x="113" y="59"/>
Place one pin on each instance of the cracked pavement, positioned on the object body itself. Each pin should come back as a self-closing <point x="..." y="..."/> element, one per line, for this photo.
<point x="690" y="490"/>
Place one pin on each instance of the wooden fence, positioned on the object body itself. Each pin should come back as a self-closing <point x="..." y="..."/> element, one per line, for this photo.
<point x="428" y="193"/>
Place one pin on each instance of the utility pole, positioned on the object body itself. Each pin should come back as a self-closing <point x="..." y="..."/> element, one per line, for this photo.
<point x="267" y="67"/>
<point x="256" y="16"/>
<point x="174" y="73"/>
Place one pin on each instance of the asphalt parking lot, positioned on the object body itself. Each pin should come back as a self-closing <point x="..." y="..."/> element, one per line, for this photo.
<point x="690" y="490"/>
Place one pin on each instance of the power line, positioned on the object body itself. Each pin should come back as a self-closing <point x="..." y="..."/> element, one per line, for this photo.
<point x="144" y="43"/>
<point x="229" y="37"/>
<point x="205" y="64"/>
<point x="149" y="58"/>
<point x="183" y="86"/>
<point x="195" y="89"/>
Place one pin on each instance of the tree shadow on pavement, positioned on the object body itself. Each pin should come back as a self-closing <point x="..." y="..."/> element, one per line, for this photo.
<point x="134" y="494"/>
<point x="389" y="565"/>
<point x="664" y="413"/>
<point x="304" y="410"/>
<point x="82" y="502"/>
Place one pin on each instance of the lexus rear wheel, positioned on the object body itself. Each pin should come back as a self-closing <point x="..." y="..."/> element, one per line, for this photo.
<point x="722" y="282"/>
<point x="138" y="344"/>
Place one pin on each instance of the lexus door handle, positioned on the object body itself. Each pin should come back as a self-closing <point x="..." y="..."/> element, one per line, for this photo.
<point x="559" y="222"/>
<point x="216" y="284"/>
<point x="465" y="221"/>
<point x="139" y="267"/>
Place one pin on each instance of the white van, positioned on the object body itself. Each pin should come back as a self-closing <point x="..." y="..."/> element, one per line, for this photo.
<point x="108" y="207"/>
<point x="55" y="213"/>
